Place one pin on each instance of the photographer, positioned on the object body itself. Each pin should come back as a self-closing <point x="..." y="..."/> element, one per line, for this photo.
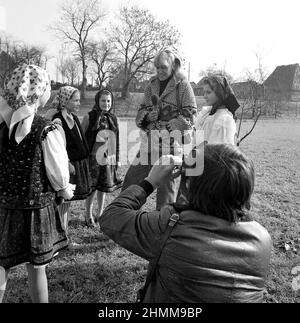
<point x="215" y="252"/>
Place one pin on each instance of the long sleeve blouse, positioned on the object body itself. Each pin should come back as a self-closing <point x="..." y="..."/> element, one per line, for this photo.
<point x="219" y="128"/>
<point x="56" y="159"/>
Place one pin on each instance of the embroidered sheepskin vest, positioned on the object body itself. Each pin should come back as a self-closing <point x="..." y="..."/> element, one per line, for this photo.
<point x="23" y="180"/>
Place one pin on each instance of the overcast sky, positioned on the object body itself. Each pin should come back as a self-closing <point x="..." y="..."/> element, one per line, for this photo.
<point x="224" y="32"/>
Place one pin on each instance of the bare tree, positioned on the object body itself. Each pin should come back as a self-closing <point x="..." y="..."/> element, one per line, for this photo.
<point x="77" y="19"/>
<point x="138" y="37"/>
<point x="104" y="60"/>
<point x="215" y="70"/>
<point x="14" y="53"/>
<point x="255" y="99"/>
<point x="72" y="70"/>
<point x="61" y="63"/>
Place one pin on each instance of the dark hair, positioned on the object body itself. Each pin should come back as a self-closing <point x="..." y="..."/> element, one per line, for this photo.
<point x="215" y="87"/>
<point x="225" y="187"/>
<point x="224" y="93"/>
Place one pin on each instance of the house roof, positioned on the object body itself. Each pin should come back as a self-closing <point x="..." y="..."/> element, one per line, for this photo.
<point x="245" y="85"/>
<point x="200" y="83"/>
<point x="246" y="88"/>
<point x="283" y="78"/>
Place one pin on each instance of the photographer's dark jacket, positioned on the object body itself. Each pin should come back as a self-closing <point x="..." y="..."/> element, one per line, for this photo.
<point x="206" y="259"/>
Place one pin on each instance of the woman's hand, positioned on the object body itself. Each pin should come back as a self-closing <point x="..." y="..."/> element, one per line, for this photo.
<point x="152" y="116"/>
<point x="72" y="170"/>
<point x="163" y="170"/>
<point x="67" y="193"/>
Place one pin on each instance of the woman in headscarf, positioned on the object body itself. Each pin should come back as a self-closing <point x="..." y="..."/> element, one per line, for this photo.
<point x="165" y="116"/>
<point x="217" y="119"/>
<point x="215" y="123"/>
<point x="67" y="104"/>
<point x="102" y="133"/>
<point x="33" y="166"/>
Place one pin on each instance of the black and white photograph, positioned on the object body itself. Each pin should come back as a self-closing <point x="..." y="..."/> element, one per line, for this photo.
<point x="149" y="154"/>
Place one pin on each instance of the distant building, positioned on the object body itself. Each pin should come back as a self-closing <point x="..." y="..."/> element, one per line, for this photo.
<point x="198" y="88"/>
<point x="247" y="89"/>
<point x="284" y="82"/>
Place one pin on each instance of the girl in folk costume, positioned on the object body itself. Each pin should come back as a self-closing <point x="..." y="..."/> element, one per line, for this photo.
<point x="102" y="133"/>
<point x="217" y="119"/>
<point x="33" y="166"/>
<point x="67" y="103"/>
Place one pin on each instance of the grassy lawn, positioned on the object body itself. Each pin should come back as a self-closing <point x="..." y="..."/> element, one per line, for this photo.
<point x="100" y="271"/>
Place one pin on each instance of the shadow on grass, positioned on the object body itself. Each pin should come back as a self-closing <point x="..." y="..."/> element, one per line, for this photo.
<point x="105" y="281"/>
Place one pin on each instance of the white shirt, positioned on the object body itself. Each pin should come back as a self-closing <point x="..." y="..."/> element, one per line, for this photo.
<point x="219" y="128"/>
<point x="56" y="160"/>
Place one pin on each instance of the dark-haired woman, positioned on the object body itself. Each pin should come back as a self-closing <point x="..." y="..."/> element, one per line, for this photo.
<point x="215" y="122"/>
<point x="217" y="119"/>
<point x="216" y="252"/>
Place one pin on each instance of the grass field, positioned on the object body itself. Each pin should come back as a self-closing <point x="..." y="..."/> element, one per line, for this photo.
<point x="100" y="271"/>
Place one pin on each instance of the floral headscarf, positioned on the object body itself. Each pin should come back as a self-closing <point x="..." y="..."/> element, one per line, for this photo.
<point x="224" y="92"/>
<point x="63" y="97"/>
<point x="21" y="98"/>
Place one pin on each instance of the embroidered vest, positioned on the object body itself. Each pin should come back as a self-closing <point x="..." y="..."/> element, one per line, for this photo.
<point x="77" y="149"/>
<point x="23" y="179"/>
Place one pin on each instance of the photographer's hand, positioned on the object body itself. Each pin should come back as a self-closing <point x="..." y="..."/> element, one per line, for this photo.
<point x="163" y="170"/>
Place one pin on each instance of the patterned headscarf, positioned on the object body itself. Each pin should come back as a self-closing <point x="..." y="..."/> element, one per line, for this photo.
<point x="63" y="97"/>
<point x="23" y="90"/>
<point x="224" y="92"/>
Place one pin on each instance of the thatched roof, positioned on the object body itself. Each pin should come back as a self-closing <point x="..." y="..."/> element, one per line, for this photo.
<point x="284" y="79"/>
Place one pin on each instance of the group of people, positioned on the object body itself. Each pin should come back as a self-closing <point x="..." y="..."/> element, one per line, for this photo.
<point x="47" y="162"/>
<point x="201" y="241"/>
<point x="91" y="172"/>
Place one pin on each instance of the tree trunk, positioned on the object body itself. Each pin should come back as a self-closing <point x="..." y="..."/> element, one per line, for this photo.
<point x="84" y="80"/>
<point x="125" y="91"/>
